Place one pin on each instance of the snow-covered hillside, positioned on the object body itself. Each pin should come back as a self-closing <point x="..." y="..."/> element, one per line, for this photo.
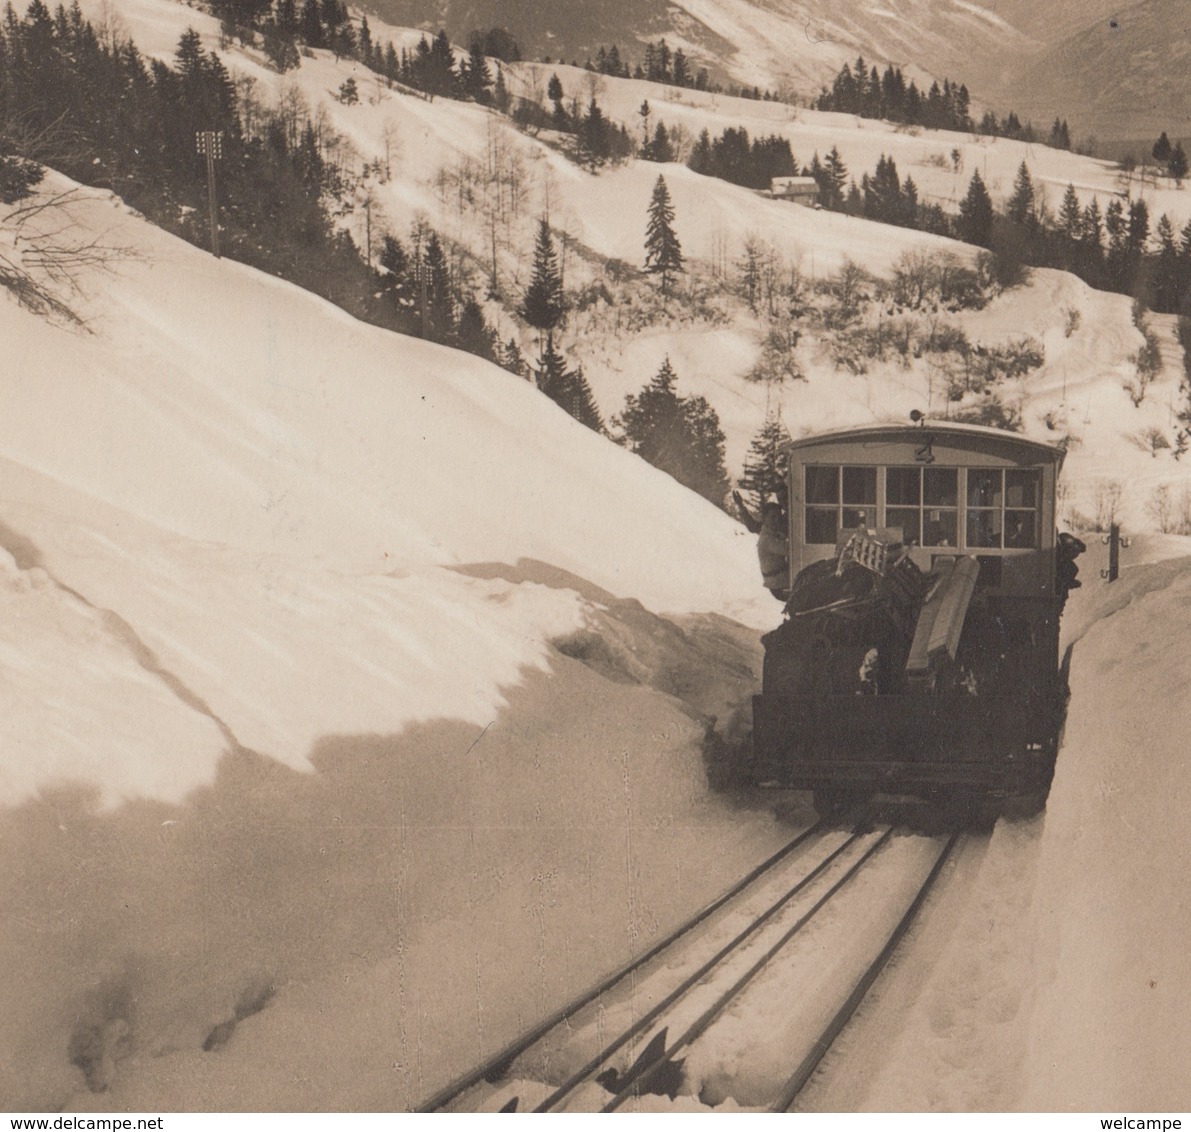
<point x="259" y="551"/>
<point x="355" y="697"/>
<point x="444" y="160"/>
<point x="792" y="46"/>
<point x="264" y="456"/>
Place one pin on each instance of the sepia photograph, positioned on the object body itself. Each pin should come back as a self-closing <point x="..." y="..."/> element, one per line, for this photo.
<point x="595" y="555"/>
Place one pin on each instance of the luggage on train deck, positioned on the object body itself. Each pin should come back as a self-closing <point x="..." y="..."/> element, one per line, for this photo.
<point x="849" y="626"/>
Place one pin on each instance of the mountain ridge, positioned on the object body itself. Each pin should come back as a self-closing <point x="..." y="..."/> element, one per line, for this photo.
<point x="1120" y="79"/>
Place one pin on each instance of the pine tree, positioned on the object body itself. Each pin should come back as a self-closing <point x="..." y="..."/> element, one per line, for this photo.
<point x="882" y="192"/>
<point x="1161" y="150"/>
<point x="513" y="360"/>
<point x="1167" y="272"/>
<point x="644" y="111"/>
<point x="1092" y="233"/>
<point x="1138" y="231"/>
<point x="593" y="136"/>
<point x="544" y="304"/>
<point x="580" y="402"/>
<point x="476" y="74"/>
<point x="440" y="300"/>
<point x="554" y="92"/>
<point x="1060" y="135"/>
<point x="501" y="98"/>
<point x="439" y="76"/>
<point x="474" y="334"/>
<point x="765" y="465"/>
<point x="1114" y="225"/>
<point x="1020" y="207"/>
<point x="976" y="214"/>
<point x="312" y="26"/>
<point x="551" y="371"/>
<point x="701" y="156"/>
<point x="660" y="148"/>
<point x="679" y="435"/>
<point x="1070" y="216"/>
<point x="680" y="72"/>
<point x="395" y="281"/>
<point x="1176" y="164"/>
<point x="837" y="178"/>
<point x="567" y="388"/>
<point x="663" y="252"/>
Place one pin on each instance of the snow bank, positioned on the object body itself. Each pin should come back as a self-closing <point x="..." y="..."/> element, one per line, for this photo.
<point x="271" y="499"/>
<point x="1109" y="1028"/>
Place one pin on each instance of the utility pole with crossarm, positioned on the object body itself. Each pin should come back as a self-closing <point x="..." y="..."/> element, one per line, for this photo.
<point x="210" y="144"/>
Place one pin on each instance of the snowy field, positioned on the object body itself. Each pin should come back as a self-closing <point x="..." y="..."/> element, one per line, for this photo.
<point x="353" y="695"/>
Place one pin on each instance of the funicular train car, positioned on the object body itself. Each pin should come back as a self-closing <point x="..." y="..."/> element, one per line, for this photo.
<point x="919" y="650"/>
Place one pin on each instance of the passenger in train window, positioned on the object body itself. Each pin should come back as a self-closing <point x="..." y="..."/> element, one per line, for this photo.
<point x="1019" y="530"/>
<point x="940" y="529"/>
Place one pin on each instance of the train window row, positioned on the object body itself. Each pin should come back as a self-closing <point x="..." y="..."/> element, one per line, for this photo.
<point x="994" y="508"/>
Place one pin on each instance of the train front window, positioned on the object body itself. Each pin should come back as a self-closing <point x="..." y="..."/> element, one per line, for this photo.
<point x="822" y="503"/>
<point x="982" y="510"/>
<point x="822" y="486"/>
<point x="940" y="512"/>
<point x="984" y="528"/>
<point x="1021" y="530"/>
<point x="941" y="487"/>
<point x="838" y="498"/>
<point x="1021" y="489"/>
<point x="1003" y="508"/>
<point x="860" y="498"/>
<point x="903" y="502"/>
<point x="860" y="486"/>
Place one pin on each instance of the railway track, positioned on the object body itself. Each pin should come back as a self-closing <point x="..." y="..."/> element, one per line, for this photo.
<point x="741" y="1001"/>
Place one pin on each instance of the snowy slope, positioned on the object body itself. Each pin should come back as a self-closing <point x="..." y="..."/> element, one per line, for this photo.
<point x="261" y="455"/>
<point x="788" y="45"/>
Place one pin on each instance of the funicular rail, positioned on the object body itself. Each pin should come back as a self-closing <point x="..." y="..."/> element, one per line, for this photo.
<point x="702" y="975"/>
<point x="494" y="1067"/>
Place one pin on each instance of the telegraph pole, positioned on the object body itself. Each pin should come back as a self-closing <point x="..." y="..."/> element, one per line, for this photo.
<point x="1114" y="541"/>
<point x="210" y="144"/>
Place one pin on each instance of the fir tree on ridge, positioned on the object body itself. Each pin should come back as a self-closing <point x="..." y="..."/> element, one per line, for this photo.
<point x="1020" y="207"/>
<point x="663" y="252"/>
<point x="567" y="388"/>
<point x="976" y="214"/>
<point x="544" y="303"/>
<point x="764" y="473"/>
<point x="679" y="435"/>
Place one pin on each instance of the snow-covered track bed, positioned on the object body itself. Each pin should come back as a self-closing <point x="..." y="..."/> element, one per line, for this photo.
<point x="728" y="1005"/>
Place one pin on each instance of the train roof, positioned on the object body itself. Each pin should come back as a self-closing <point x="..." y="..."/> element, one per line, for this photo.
<point x="975" y="437"/>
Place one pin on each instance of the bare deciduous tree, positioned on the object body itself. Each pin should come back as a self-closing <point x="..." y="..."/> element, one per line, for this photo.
<point x="45" y="250"/>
